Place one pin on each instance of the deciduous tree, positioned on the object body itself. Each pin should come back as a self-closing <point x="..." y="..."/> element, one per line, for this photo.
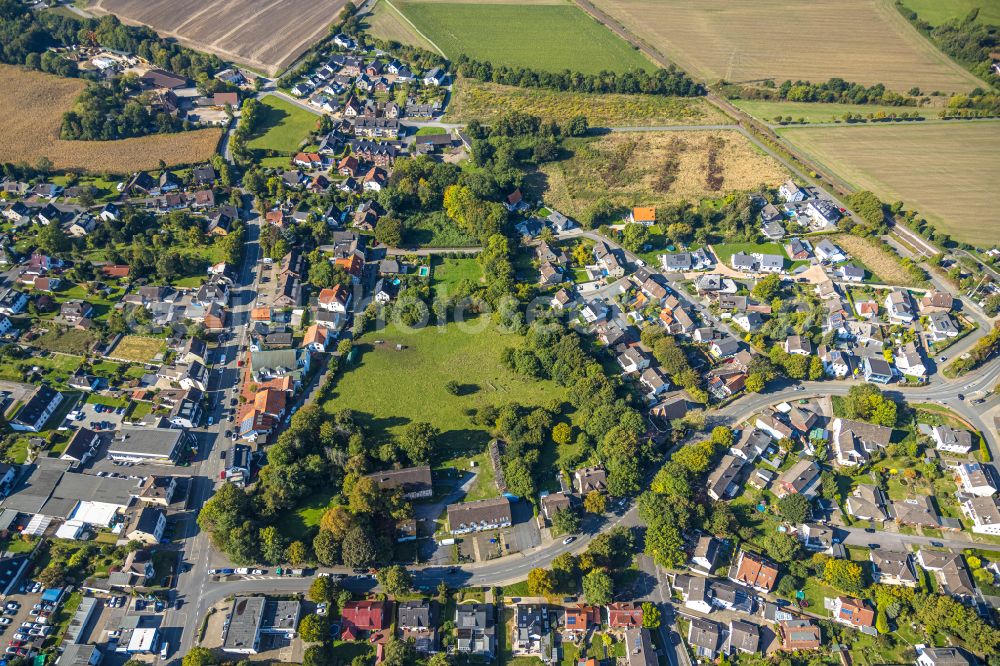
<point x="598" y="587"/>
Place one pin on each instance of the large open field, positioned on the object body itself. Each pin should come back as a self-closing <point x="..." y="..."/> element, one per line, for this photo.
<point x="487" y="101"/>
<point x="822" y="113"/>
<point x="651" y="168"/>
<point x="548" y="35"/>
<point x="748" y="40"/>
<point x="282" y="127"/>
<point x="265" y="35"/>
<point x="32" y="105"/>
<point x="392" y="388"/>
<point x="385" y="22"/>
<point x="946" y="172"/>
<point x="937" y="12"/>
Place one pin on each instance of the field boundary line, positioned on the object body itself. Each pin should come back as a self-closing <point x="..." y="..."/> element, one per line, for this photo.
<point x="415" y="28"/>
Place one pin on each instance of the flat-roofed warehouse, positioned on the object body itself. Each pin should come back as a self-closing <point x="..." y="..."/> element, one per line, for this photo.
<point x="52" y="492"/>
<point x="252" y="617"/>
<point x="154" y="445"/>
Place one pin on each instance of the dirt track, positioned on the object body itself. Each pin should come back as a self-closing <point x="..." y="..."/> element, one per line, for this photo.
<point x="266" y="35"/>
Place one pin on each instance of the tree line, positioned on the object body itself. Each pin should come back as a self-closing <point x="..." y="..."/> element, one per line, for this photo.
<point x="967" y="40"/>
<point x="663" y="81"/>
<point x="833" y="90"/>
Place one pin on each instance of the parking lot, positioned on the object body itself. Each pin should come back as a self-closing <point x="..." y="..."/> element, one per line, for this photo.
<point x="98" y="417"/>
<point x="23" y="625"/>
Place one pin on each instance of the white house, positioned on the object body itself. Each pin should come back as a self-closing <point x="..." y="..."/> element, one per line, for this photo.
<point x="898" y="306"/>
<point x="984" y="512"/>
<point x="790" y="192"/>
<point x="909" y="361"/>
<point x="944" y="656"/>
<point x="951" y="440"/>
<point x="941" y="326"/>
<point x="826" y="250"/>
<point x="336" y="299"/>
<point x="978" y="479"/>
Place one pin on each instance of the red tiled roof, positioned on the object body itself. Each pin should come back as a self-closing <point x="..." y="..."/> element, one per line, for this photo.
<point x="624" y="615"/>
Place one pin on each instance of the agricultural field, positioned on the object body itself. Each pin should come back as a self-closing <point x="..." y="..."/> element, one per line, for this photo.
<point x="139" y="349"/>
<point x="488" y="101"/>
<point x="867" y="41"/>
<point x="33" y="105"/>
<point x="548" y="35"/>
<point x="822" y="113"/>
<point x="937" y="12"/>
<point x="655" y="168"/>
<point x="266" y="36"/>
<point x="385" y="22"/>
<point x="283" y="126"/>
<point x="946" y="172"/>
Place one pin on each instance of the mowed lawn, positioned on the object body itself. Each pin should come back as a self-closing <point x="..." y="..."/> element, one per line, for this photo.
<point x="389" y="388"/>
<point x="551" y="37"/>
<point x="937" y="12"/>
<point x="946" y="172"/>
<point x="858" y="40"/>
<point x="822" y="113"/>
<point x="282" y="127"/>
<point x="450" y="272"/>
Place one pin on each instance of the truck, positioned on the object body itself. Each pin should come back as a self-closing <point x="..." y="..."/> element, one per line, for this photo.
<point x="295" y="572"/>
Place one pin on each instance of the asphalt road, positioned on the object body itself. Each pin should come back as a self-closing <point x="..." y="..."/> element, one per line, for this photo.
<point x="197" y="551"/>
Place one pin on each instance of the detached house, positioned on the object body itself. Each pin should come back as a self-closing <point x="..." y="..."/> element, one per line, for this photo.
<point x="950" y="440"/>
<point x="590" y="479"/>
<point x="801" y="478"/>
<point x="892" y="568"/>
<point x="754" y="571"/>
<point x="475" y="629"/>
<point x="854" y="613"/>
<point x="644" y="215"/>
<point x="790" y="192"/>
<point x="898" y="307"/>
<point x="364" y="616"/>
<point x="336" y="299"/>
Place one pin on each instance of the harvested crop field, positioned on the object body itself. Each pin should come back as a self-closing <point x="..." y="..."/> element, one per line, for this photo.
<point x="264" y="34"/>
<point x="33" y="104"/>
<point x="540" y="35"/>
<point x="488" y="101"/>
<point x="385" y="22"/>
<point x="946" y="172"/>
<point x="654" y="168"/>
<point x="867" y="41"/>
